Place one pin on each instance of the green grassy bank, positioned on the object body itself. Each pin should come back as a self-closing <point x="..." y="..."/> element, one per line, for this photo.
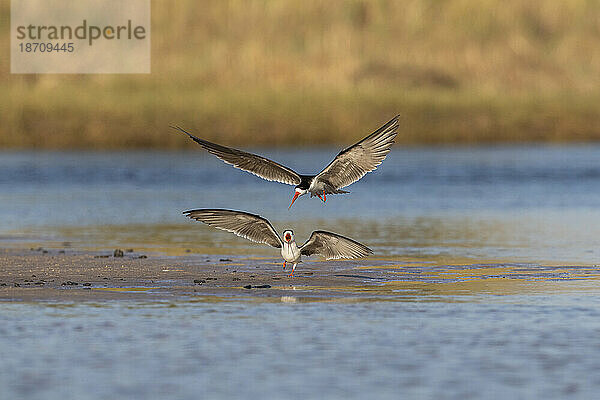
<point x="314" y="72"/>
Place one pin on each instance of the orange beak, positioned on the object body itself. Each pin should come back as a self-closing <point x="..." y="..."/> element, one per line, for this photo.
<point x="294" y="199"/>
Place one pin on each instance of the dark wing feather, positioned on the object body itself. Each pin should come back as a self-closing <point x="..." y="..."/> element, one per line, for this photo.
<point x="331" y="246"/>
<point x="353" y="163"/>
<point x="246" y="225"/>
<point x="257" y="165"/>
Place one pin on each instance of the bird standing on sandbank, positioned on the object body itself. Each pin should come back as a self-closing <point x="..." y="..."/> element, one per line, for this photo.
<point x="258" y="229"/>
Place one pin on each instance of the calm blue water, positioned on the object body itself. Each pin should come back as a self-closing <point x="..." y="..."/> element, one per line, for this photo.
<point x="517" y="203"/>
<point x="542" y="347"/>
<point x="532" y="204"/>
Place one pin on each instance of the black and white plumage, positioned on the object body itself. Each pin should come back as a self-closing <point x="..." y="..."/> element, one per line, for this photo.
<point x="258" y="229"/>
<point x="347" y="167"/>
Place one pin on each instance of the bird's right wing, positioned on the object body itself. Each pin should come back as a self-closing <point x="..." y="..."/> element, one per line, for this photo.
<point x="331" y="246"/>
<point x="356" y="161"/>
<point x="257" y="165"/>
<point x="246" y="225"/>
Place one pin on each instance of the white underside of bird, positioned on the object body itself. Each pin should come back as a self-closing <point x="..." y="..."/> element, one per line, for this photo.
<point x="290" y="251"/>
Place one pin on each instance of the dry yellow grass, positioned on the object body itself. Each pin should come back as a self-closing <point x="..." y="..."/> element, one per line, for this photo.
<point x="277" y="72"/>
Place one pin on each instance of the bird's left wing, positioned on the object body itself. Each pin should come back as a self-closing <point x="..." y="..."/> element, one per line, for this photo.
<point x="332" y="246"/>
<point x="249" y="226"/>
<point x="255" y="164"/>
<point x="356" y="161"/>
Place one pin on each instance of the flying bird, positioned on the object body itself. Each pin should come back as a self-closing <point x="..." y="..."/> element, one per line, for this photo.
<point x="347" y="167"/>
<point x="258" y="229"/>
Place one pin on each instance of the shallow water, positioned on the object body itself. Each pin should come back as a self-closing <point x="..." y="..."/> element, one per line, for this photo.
<point x="542" y="346"/>
<point x="528" y="204"/>
<point x="488" y="254"/>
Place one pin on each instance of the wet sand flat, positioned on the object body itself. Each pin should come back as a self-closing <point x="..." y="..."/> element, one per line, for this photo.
<point x="74" y="276"/>
<point x="67" y="275"/>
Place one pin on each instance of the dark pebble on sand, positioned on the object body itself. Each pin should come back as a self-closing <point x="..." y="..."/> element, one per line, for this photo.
<point x="257" y="287"/>
<point x="143" y="256"/>
<point x="199" y="281"/>
<point x="224" y="259"/>
<point x="40" y="283"/>
<point x="87" y="284"/>
<point x="103" y="256"/>
<point x="236" y="279"/>
<point x="2" y="284"/>
<point x="211" y="279"/>
<point x="16" y="285"/>
<point x="69" y="283"/>
<point x="118" y="253"/>
<point x="45" y="251"/>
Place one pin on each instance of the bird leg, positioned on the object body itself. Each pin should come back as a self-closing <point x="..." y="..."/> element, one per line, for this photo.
<point x="291" y="275"/>
<point x="324" y="198"/>
<point x="284" y="264"/>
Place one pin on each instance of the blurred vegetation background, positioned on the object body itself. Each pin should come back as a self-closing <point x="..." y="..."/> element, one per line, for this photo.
<point x="259" y="72"/>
